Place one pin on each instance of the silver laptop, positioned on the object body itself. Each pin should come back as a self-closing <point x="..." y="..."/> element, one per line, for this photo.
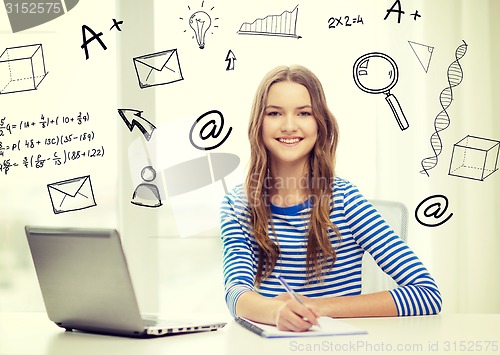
<point x="86" y="285"/>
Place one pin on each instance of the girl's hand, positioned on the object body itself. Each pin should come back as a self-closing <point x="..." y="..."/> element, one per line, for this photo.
<point x="295" y="317"/>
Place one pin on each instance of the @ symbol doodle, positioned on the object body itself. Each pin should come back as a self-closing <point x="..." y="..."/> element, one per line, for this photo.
<point x="430" y="212"/>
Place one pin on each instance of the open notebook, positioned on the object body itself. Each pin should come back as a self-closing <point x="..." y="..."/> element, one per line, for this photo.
<point x="329" y="327"/>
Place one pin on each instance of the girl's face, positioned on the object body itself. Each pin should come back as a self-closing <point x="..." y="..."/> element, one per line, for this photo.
<point x="289" y="129"/>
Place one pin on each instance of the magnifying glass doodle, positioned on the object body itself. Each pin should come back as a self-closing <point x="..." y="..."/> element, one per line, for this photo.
<point x="377" y="73"/>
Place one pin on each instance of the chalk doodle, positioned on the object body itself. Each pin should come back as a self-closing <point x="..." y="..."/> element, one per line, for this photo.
<point x="22" y="68"/>
<point x="431" y="210"/>
<point x="24" y="15"/>
<point x="347" y="21"/>
<point x="230" y="58"/>
<point x="442" y="120"/>
<point x="423" y="54"/>
<point x="96" y="36"/>
<point x="71" y="195"/>
<point x="133" y="118"/>
<point x="22" y="142"/>
<point x="200" y="22"/>
<point x="283" y="25"/>
<point x="396" y="8"/>
<point x="210" y="130"/>
<point x="146" y="193"/>
<point x="474" y="158"/>
<point x="158" y="68"/>
<point x="116" y="24"/>
<point x="189" y="179"/>
<point x="377" y="73"/>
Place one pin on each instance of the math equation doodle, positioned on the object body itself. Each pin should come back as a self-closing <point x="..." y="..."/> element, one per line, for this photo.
<point x="50" y="139"/>
<point x="347" y="21"/>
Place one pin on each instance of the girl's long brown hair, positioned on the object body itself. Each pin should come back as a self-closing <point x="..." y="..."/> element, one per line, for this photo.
<point x="320" y="252"/>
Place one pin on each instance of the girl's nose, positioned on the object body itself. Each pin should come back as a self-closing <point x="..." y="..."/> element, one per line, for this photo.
<point x="289" y="124"/>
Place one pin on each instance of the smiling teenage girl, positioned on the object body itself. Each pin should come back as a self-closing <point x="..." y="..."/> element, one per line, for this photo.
<point x="295" y="218"/>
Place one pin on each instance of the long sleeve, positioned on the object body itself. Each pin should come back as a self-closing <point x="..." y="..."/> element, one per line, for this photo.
<point x="238" y="254"/>
<point x="362" y="230"/>
<point x="417" y="293"/>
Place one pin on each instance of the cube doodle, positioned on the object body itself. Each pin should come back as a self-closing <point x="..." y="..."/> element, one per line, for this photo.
<point x="474" y="158"/>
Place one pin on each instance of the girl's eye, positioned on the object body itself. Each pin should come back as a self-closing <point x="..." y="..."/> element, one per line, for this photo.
<point x="305" y="113"/>
<point x="273" y="113"/>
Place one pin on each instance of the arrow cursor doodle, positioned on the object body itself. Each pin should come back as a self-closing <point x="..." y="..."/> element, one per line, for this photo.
<point x="230" y="58"/>
<point x="133" y="118"/>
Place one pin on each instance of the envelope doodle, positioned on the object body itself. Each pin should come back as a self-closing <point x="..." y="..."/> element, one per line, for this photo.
<point x="158" y="68"/>
<point x="21" y="68"/>
<point x="71" y="195"/>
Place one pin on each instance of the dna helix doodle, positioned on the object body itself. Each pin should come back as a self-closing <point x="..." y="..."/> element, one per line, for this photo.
<point x="442" y="120"/>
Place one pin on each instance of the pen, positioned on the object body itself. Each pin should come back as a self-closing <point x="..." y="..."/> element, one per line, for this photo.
<point x="290" y="291"/>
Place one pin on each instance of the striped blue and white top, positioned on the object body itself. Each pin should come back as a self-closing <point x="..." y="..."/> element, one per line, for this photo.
<point x="362" y="230"/>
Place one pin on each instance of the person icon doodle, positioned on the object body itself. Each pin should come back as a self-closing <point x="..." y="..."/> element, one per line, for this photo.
<point x="147" y="194"/>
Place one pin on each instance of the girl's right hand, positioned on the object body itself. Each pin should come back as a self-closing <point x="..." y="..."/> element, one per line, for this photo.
<point x="295" y="317"/>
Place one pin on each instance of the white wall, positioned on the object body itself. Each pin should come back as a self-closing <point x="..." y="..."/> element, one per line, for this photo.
<point x="182" y="273"/>
<point x="72" y="84"/>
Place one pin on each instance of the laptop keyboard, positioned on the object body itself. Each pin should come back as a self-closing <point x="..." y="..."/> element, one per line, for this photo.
<point x="150" y="322"/>
<point x="165" y="323"/>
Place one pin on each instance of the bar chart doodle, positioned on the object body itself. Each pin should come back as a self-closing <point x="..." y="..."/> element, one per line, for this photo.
<point x="283" y="25"/>
<point x="442" y="120"/>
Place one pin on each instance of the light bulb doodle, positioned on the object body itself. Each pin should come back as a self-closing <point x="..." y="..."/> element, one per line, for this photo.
<point x="200" y="22"/>
<point x="442" y="120"/>
<point x="377" y="73"/>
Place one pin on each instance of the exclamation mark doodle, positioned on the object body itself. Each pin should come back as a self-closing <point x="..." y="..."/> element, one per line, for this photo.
<point x="442" y="120"/>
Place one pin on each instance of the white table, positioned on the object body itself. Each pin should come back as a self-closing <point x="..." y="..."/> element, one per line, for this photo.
<point x="34" y="334"/>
